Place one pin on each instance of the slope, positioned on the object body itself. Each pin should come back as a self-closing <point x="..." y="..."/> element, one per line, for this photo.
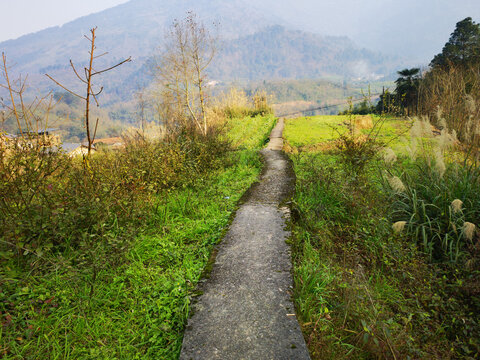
<point x="277" y="52"/>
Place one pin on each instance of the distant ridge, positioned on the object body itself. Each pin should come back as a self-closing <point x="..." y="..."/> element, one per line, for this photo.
<point x="256" y="46"/>
<point x="135" y="28"/>
<point x="277" y="52"/>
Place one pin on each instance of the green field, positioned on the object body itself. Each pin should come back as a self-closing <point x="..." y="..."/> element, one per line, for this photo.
<point x="312" y="130"/>
<point x="250" y="132"/>
<point x="315" y="130"/>
<point x="363" y="290"/>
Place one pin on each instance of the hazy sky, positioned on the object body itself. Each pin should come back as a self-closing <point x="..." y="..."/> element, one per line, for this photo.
<point x="417" y="29"/>
<point x="414" y="28"/>
<point x="26" y="16"/>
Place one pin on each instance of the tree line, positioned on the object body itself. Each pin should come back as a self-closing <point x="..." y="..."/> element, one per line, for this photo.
<point x="448" y="89"/>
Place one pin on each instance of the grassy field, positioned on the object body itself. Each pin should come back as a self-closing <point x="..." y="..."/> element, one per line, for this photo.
<point x="364" y="290"/>
<point x="250" y="132"/>
<point x="309" y="132"/>
<point x="132" y="302"/>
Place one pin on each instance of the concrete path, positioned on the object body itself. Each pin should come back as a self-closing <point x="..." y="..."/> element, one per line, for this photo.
<point x="246" y="311"/>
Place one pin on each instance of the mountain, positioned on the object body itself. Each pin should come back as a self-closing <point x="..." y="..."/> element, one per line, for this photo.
<point x="257" y="45"/>
<point x="134" y="29"/>
<point x="277" y="52"/>
<point x="415" y="29"/>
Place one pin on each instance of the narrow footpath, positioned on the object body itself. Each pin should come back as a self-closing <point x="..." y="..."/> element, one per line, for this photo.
<point x="246" y="311"/>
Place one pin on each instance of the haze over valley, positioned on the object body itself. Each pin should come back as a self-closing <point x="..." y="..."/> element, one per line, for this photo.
<point x="267" y="41"/>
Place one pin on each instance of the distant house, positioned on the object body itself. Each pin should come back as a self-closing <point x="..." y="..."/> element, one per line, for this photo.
<point x="44" y="132"/>
<point x="42" y="137"/>
<point x="75" y="149"/>
<point x="114" y="142"/>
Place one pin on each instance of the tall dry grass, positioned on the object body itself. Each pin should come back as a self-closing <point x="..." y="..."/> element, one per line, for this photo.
<point x="235" y="103"/>
<point x="435" y="195"/>
<point x="453" y="94"/>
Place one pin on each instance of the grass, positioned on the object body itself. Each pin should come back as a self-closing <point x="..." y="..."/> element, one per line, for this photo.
<point x="361" y="290"/>
<point x="250" y="132"/>
<point x="309" y="132"/>
<point x="312" y="130"/>
<point x="132" y="304"/>
<point x="138" y="308"/>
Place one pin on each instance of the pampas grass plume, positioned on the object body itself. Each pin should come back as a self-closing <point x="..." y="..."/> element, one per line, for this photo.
<point x="439" y="162"/>
<point x="399" y="226"/>
<point x="389" y="156"/>
<point x="469" y="230"/>
<point x="439" y="113"/>
<point x="396" y="184"/>
<point x="470" y="104"/>
<point x="416" y="130"/>
<point x="456" y="205"/>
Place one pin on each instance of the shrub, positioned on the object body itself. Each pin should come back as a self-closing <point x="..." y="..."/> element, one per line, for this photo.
<point x="455" y="92"/>
<point x="28" y="197"/>
<point x="52" y="201"/>
<point x="261" y="104"/>
<point x="236" y="104"/>
<point x="358" y="149"/>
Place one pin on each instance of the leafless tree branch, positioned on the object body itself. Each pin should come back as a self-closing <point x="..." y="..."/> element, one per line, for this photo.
<point x="64" y="88"/>
<point x="112" y="67"/>
<point x="87" y="80"/>
<point x="76" y="73"/>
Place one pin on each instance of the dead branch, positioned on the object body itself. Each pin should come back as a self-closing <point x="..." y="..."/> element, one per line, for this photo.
<point x="76" y="73"/>
<point x="14" y="107"/>
<point x="112" y="67"/>
<point x="89" y="73"/>
<point x="64" y="88"/>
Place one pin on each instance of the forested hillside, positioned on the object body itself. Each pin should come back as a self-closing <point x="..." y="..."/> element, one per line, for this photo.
<point x="253" y="45"/>
<point x="278" y="53"/>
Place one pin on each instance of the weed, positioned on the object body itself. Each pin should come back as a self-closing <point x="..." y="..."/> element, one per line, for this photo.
<point x="437" y="197"/>
<point x="102" y="263"/>
<point x="363" y="290"/>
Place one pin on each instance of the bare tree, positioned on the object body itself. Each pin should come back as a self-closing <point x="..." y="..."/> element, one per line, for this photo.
<point x="141" y="107"/>
<point x="89" y="73"/>
<point x="30" y="116"/>
<point x="190" y="49"/>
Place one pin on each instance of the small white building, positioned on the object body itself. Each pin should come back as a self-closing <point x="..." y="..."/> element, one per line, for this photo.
<point x="76" y="149"/>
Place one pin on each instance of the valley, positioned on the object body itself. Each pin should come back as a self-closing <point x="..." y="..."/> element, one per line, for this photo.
<point x="216" y="180"/>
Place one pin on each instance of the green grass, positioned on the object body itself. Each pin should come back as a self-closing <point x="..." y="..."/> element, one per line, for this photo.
<point x="132" y="302"/>
<point x="138" y="308"/>
<point x="308" y="131"/>
<point x="312" y="130"/>
<point x="362" y="291"/>
<point x="250" y="132"/>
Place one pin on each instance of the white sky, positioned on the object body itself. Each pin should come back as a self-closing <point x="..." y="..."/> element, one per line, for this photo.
<point x="416" y="28"/>
<point x="20" y="17"/>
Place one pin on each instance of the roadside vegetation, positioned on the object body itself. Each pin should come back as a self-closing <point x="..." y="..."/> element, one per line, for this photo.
<point x="100" y="255"/>
<point x="103" y="263"/>
<point x="386" y="244"/>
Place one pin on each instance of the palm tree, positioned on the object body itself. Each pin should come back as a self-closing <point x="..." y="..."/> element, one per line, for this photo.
<point x="407" y="88"/>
